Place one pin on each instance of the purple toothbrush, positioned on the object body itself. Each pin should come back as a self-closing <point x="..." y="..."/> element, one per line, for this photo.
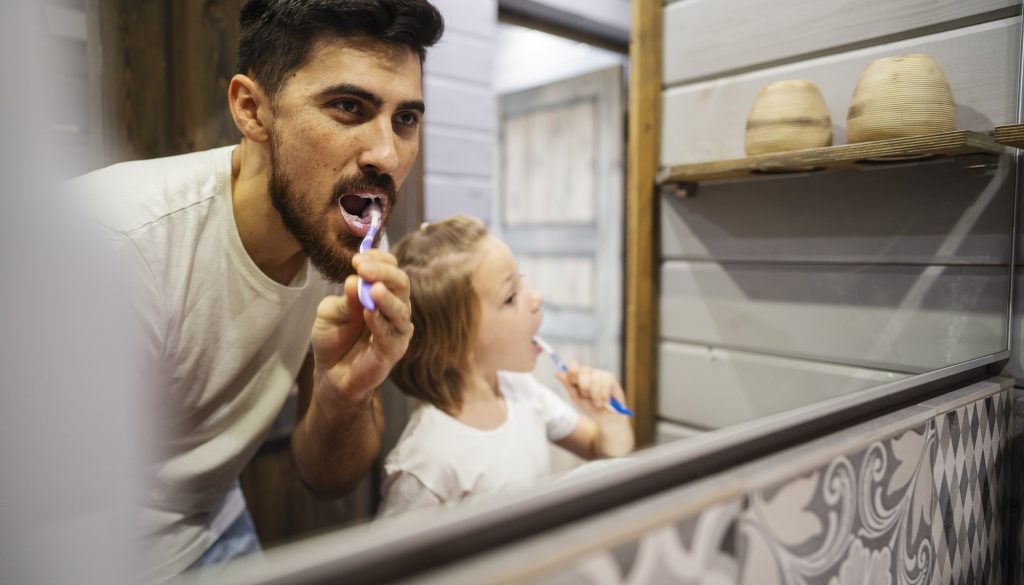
<point x="364" y="246"/>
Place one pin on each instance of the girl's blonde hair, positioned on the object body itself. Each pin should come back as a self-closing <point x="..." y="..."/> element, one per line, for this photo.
<point x="445" y="309"/>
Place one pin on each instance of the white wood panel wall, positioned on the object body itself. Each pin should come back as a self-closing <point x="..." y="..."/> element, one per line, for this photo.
<point x="789" y="290"/>
<point x="460" y="131"/>
<point x="713" y="40"/>
<point x="899" y="316"/>
<point x="750" y="384"/>
<point x="69" y="112"/>
<point x="706" y="121"/>
<point x="928" y="213"/>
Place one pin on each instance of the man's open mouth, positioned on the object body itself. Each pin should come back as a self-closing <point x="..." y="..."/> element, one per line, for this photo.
<point x="355" y="208"/>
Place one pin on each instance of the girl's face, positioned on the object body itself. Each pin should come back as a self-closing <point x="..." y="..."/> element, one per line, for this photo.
<point x="509" y="311"/>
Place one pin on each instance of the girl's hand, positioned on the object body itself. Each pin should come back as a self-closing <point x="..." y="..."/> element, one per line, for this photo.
<point x="591" y="389"/>
<point x="600" y="432"/>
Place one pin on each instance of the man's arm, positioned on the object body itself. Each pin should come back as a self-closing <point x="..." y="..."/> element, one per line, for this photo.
<point x="338" y="434"/>
<point x="364" y="444"/>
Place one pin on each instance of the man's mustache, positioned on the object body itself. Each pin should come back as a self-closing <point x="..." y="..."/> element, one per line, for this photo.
<point x="367" y="182"/>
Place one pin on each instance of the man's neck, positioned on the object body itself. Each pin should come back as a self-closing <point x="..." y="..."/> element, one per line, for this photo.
<point x="263" y="235"/>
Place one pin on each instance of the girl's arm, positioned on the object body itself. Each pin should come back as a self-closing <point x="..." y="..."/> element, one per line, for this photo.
<point x="599" y="432"/>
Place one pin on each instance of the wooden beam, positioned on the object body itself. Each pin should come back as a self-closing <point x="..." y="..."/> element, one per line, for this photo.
<point x="645" y="48"/>
<point x="202" y="60"/>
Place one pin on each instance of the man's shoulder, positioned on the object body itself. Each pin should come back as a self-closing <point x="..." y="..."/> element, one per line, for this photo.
<point x="129" y="195"/>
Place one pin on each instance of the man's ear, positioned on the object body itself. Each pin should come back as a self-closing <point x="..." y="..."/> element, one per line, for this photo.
<point x="250" y="107"/>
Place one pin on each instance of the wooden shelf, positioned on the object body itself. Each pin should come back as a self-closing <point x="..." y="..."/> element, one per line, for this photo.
<point x="1012" y="135"/>
<point x="859" y="156"/>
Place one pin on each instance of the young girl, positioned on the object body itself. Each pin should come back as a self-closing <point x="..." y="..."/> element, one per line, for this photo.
<point x="484" y="422"/>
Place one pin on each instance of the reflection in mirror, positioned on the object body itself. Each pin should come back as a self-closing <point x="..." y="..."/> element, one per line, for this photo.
<point x="146" y="102"/>
<point x="781" y="293"/>
<point x="774" y="293"/>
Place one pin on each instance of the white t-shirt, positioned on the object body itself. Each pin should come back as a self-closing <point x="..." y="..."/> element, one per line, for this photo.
<point x="439" y="460"/>
<point x="228" y="340"/>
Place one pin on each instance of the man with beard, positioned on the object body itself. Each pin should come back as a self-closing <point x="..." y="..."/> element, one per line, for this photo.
<point x="236" y="250"/>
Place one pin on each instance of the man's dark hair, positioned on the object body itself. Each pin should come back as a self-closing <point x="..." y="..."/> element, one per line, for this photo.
<point x="275" y="36"/>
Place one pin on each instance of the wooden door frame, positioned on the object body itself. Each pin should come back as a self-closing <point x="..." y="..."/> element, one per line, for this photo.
<point x="642" y="155"/>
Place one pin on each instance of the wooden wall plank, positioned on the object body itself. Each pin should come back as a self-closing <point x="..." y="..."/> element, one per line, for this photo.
<point x="457" y="195"/>
<point x="459" y="152"/>
<point x="715" y="388"/>
<point x="461" y="56"/>
<point x="645" y="45"/>
<point x="924" y="213"/>
<point x="706" y="121"/>
<point x="902" y="317"/>
<point x="204" y="57"/>
<point x="476" y="17"/>
<point x="705" y="38"/>
<point x="136" y="99"/>
<point x="460" y="104"/>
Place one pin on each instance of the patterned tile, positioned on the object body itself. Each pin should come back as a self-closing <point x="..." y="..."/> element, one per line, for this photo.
<point x="1015" y="485"/>
<point x="927" y="505"/>
<point x="695" y="551"/>
<point x="864" y="517"/>
<point x="969" y="479"/>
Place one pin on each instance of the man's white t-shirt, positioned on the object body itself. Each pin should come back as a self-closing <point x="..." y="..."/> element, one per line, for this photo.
<point x="439" y="460"/>
<point x="228" y="340"/>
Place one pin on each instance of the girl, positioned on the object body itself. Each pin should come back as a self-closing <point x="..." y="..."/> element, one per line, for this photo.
<point x="484" y="422"/>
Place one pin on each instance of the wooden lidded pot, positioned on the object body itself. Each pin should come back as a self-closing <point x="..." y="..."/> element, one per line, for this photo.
<point x="898" y="97"/>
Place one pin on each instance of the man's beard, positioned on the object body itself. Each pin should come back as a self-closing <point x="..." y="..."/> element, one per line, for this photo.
<point x="307" y="223"/>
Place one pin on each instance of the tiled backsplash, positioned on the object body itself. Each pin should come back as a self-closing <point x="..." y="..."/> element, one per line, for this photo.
<point x="917" y="496"/>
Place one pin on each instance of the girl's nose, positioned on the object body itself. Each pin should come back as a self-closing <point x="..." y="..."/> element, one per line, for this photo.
<point x="536" y="300"/>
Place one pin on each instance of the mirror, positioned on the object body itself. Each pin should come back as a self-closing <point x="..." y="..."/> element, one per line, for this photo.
<point x="773" y="293"/>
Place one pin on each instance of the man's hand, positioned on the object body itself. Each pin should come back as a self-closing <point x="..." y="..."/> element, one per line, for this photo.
<point x="338" y="436"/>
<point x="355" y="349"/>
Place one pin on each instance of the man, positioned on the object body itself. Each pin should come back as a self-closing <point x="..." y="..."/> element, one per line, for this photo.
<point x="329" y="102"/>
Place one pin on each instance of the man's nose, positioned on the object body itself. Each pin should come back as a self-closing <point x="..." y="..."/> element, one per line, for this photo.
<point x="379" y="154"/>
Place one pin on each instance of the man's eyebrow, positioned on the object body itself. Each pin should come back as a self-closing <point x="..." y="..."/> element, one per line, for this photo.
<point x="352" y="90"/>
<point x="363" y="94"/>
<point x="412" y="105"/>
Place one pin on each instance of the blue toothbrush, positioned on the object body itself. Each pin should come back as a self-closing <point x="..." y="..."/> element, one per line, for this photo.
<point x="614" y="405"/>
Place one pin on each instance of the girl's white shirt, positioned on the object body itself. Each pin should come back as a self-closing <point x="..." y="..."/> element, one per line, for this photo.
<point x="439" y="460"/>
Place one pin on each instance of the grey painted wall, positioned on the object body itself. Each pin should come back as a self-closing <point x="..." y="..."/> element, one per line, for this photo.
<point x="825" y="284"/>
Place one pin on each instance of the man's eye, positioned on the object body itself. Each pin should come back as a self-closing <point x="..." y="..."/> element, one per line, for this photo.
<point x="511" y="300"/>
<point x="350" y="106"/>
<point x="408" y="119"/>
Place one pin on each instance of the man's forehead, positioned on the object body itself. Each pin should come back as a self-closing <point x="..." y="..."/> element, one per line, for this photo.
<point x="361" y="51"/>
<point x="391" y="72"/>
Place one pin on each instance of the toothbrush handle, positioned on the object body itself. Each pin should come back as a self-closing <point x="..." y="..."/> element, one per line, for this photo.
<point x="616" y="406"/>
<point x="364" y="287"/>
